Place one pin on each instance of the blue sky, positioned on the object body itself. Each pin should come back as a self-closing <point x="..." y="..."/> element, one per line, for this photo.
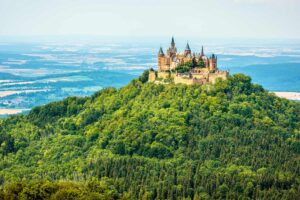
<point x="152" y="18"/>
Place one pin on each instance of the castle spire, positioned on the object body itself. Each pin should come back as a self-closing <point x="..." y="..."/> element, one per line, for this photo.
<point x="187" y="48"/>
<point x="202" y="51"/>
<point x="160" y="52"/>
<point x="172" y="42"/>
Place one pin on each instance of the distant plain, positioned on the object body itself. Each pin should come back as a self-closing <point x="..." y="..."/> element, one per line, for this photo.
<point x="35" y="73"/>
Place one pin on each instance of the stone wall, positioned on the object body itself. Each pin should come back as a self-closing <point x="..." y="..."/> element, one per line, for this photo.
<point x="219" y="74"/>
<point x="189" y="81"/>
<point x="163" y="75"/>
<point x="163" y="63"/>
<point x="199" y="77"/>
<point x="213" y="64"/>
<point x="152" y="76"/>
<point x="183" y="80"/>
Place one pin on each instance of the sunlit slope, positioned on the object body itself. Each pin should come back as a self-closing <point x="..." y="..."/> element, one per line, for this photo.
<point x="231" y="140"/>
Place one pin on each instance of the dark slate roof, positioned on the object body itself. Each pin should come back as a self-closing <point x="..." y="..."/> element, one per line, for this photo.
<point x="202" y="51"/>
<point x="173" y="42"/>
<point x="187" y="48"/>
<point x="160" y="52"/>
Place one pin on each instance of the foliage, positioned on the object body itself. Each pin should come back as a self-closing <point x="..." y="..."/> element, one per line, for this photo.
<point x="144" y="77"/>
<point x="184" y="67"/>
<point x="60" y="190"/>
<point x="187" y="66"/>
<point x="231" y="140"/>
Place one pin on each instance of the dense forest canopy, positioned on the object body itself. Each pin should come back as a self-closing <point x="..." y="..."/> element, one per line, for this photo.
<point x="231" y="140"/>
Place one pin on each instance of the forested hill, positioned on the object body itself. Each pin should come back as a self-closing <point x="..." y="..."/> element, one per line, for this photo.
<point x="232" y="140"/>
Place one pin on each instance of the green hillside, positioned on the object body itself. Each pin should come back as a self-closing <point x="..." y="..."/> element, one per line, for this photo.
<point x="232" y="140"/>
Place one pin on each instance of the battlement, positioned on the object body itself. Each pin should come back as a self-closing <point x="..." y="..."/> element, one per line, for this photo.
<point x="186" y="67"/>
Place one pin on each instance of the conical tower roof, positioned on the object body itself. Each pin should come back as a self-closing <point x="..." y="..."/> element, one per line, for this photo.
<point x="172" y="42"/>
<point x="161" y="52"/>
<point x="187" y="48"/>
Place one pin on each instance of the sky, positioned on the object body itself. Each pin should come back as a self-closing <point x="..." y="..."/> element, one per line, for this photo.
<point x="152" y="18"/>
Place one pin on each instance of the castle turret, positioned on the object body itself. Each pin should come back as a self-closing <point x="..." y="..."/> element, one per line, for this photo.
<point x="160" y="52"/>
<point x="161" y="60"/>
<point x="187" y="50"/>
<point x="187" y="47"/>
<point x="171" y="52"/>
<point x="213" y="63"/>
<point x="172" y="43"/>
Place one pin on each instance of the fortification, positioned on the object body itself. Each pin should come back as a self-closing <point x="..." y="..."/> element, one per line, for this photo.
<point x="186" y="67"/>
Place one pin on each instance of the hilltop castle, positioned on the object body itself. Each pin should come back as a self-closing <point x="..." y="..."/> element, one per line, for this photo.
<point x="186" y="67"/>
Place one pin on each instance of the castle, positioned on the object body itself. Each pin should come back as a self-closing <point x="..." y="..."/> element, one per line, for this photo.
<point x="186" y="67"/>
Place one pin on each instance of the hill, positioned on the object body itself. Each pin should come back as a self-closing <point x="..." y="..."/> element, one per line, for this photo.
<point x="232" y="140"/>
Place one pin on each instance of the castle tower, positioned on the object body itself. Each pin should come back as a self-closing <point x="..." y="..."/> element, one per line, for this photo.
<point x="213" y="63"/>
<point x="171" y="52"/>
<point x="172" y="43"/>
<point x="160" y="59"/>
<point x="202" y="52"/>
<point x="161" y="52"/>
<point x="187" y="50"/>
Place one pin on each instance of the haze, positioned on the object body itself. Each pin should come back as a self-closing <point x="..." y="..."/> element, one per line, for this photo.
<point x="189" y="18"/>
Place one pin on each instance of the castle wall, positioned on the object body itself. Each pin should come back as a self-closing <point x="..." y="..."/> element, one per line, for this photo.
<point x="187" y="59"/>
<point x="199" y="75"/>
<point x="189" y="81"/>
<point x="173" y="65"/>
<point x="164" y="63"/>
<point x="163" y="75"/>
<point x="164" y="68"/>
<point x="199" y="70"/>
<point x="183" y="80"/>
<point x="212" y="64"/>
<point x="214" y="76"/>
<point x="200" y="81"/>
<point x="152" y="76"/>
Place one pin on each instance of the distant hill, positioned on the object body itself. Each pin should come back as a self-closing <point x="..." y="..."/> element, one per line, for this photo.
<point x="231" y="140"/>
<point x="275" y="77"/>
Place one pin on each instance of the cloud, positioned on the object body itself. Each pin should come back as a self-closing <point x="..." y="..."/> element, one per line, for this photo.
<point x="15" y="62"/>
